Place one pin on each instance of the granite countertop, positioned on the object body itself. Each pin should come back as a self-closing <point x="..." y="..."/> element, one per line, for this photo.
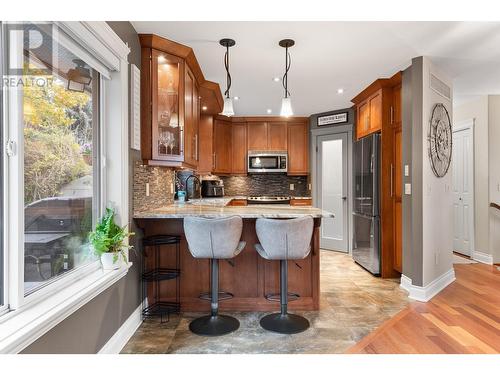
<point x="217" y="207"/>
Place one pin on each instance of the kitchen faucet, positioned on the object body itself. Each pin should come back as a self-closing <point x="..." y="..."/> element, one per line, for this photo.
<point x="199" y="186"/>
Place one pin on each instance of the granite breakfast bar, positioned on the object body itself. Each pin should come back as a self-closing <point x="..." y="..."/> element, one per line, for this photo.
<point x="248" y="277"/>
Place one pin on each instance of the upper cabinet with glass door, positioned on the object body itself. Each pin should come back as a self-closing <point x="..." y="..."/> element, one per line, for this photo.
<point x="168" y="109"/>
<point x="173" y="93"/>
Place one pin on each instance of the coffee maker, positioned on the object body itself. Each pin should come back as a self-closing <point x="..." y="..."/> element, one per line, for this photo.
<point x="212" y="188"/>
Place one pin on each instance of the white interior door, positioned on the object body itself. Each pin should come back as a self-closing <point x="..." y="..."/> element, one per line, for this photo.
<point x="333" y="190"/>
<point x="463" y="190"/>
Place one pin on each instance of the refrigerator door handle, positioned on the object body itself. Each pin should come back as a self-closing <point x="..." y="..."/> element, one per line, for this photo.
<point x="362" y="215"/>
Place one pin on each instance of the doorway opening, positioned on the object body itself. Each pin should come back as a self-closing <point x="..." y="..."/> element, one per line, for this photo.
<point x="463" y="188"/>
<point x="333" y="186"/>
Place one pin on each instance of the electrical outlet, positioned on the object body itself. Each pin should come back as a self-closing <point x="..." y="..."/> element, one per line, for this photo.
<point x="147" y="189"/>
<point x="408" y="189"/>
<point x="310" y="187"/>
<point x="292" y="187"/>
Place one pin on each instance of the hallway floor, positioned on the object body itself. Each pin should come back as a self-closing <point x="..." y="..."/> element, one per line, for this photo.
<point x="463" y="318"/>
<point x="353" y="304"/>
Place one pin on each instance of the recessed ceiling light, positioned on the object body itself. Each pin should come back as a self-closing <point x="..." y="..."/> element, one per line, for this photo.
<point x="236" y="98"/>
<point x="162" y="59"/>
<point x="276" y="79"/>
<point x="340" y="91"/>
<point x="269" y="111"/>
<point x="204" y="108"/>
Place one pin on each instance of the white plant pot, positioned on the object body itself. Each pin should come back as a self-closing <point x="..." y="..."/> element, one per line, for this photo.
<point x="108" y="263"/>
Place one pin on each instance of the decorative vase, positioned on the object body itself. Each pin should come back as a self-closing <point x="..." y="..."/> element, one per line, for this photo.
<point x="108" y="263"/>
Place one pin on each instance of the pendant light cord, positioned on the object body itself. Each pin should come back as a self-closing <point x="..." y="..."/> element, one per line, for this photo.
<point x="288" y="63"/>
<point x="228" y="75"/>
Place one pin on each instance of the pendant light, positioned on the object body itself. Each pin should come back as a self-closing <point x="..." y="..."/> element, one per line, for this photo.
<point x="286" y="102"/>
<point x="228" y="102"/>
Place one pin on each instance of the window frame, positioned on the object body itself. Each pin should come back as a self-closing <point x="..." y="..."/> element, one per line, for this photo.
<point x="4" y="302"/>
<point x="17" y="297"/>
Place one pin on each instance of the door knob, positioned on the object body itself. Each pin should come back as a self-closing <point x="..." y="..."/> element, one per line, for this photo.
<point x="460" y="199"/>
<point x="344" y="198"/>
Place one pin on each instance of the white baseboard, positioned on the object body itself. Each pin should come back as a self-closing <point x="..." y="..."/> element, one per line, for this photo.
<point x="481" y="257"/>
<point x="425" y="293"/>
<point x="116" y="343"/>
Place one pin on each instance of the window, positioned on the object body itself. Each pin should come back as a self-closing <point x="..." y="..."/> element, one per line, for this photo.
<point x="60" y="142"/>
<point x="2" y="151"/>
<point x="61" y="81"/>
<point x="58" y="96"/>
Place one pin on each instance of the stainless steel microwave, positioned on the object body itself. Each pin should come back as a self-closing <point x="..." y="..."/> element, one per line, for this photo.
<point x="267" y="162"/>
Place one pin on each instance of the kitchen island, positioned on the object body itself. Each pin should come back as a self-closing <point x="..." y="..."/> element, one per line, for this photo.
<point x="248" y="276"/>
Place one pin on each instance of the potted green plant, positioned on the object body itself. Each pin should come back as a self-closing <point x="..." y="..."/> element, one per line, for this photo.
<point x="108" y="241"/>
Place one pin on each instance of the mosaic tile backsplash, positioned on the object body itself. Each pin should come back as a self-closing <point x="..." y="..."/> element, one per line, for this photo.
<point x="160" y="179"/>
<point x="266" y="184"/>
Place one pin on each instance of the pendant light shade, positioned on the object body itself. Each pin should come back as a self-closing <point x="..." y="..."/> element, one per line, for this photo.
<point x="286" y="107"/>
<point x="286" y="102"/>
<point x="228" y="102"/>
<point x="228" y="107"/>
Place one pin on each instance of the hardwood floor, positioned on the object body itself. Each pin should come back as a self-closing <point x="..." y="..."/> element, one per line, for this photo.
<point x="463" y="318"/>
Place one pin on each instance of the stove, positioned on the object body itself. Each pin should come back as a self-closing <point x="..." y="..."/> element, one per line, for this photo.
<point x="268" y="200"/>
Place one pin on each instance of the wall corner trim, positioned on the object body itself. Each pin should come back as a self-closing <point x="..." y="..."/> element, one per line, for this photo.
<point x="120" y="338"/>
<point x="425" y="293"/>
<point x="481" y="257"/>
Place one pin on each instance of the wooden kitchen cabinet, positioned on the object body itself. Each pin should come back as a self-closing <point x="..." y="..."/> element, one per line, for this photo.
<point x="298" y="148"/>
<point x="396" y="121"/>
<point x="239" y="148"/>
<point x="238" y="202"/>
<point x="267" y="136"/>
<point x="369" y="115"/>
<point x="206" y="153"/>
<point x="277" y="136"/>
<point x="300" y="201"/>
<point x="191" y="119"/>
<point x="378" y="109"/>
<point x="172" y="90"/>
<point x="222" y="147"/>
<point x="257" y="136"/>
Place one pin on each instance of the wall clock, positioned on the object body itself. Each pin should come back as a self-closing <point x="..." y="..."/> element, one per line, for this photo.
<point x="440" y="140"/>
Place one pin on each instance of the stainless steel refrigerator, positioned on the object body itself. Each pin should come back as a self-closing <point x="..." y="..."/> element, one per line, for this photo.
<point x="366" y="211"/>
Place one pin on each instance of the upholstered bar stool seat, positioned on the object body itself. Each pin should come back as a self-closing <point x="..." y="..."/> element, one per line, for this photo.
<point x="214" y="239"/>
<point x="283" y="240"/>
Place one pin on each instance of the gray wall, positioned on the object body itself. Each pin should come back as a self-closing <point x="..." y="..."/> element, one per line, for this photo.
<point x="412" y="156"/>
<point x="89" y="328"/>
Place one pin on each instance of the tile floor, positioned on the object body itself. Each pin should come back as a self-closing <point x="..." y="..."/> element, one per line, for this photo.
<point x="353" y="303"/>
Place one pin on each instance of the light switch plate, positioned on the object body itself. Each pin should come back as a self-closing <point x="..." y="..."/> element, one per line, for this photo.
<point x="171" y="188"/>
<point x="407" y="170"/>
<point x="292" y="187"/>
<point x="408" y="189"/>
<point x="147" y="189"/>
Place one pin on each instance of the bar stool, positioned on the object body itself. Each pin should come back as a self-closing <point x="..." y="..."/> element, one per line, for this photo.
<point x="282" y="240"/>
<point x="214" y="239"/>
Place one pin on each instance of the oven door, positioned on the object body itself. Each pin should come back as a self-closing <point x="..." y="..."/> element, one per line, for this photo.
<point x="265" y="163"/>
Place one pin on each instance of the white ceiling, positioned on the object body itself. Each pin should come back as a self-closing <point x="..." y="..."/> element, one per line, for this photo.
<point x="332" y="55"/>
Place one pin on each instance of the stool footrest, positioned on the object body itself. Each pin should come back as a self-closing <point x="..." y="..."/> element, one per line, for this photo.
<point x="275" y="297"/>
<point x="222" y="296"/>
